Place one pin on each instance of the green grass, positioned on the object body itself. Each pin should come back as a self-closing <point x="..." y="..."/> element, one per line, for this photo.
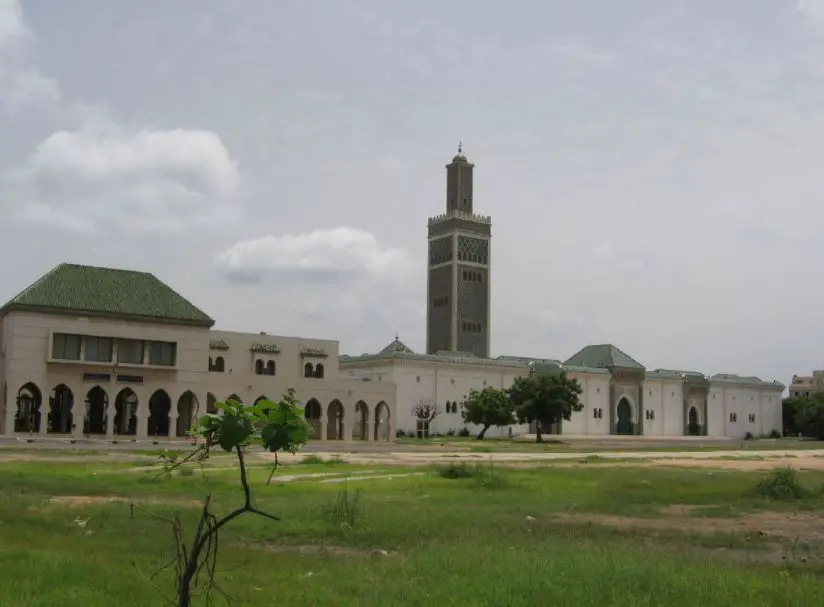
<point x="481" y="536"/>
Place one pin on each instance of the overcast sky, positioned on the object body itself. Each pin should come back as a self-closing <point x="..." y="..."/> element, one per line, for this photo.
<point x="653" y="168"/>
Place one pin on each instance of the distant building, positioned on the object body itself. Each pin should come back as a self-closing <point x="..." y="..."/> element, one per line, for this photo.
<point x="806" y="385"/>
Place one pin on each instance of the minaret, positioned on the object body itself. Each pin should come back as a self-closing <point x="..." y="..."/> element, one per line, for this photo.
<point x="458" y="282"/>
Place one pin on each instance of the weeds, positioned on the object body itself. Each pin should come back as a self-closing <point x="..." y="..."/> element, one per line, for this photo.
<point x="782" y="484"/>
<point x="344" y="511"/>
<point x="485" y="476"/>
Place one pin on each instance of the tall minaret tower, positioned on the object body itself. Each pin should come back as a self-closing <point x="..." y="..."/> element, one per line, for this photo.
<point x="458" y="287"/>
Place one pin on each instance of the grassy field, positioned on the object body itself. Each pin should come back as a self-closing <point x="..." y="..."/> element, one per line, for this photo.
<point x="462" y="535"/>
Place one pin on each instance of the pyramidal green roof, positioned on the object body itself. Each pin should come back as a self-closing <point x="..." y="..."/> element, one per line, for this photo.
<point x="603" y="356"/>
<point x="93" y="290"/>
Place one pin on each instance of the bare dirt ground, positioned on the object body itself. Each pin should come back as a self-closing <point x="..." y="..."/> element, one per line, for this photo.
<point x="722" y="460"/>
<point x="809" y="526"/>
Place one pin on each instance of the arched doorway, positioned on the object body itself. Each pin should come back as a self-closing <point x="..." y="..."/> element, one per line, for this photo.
<point x="61" y="416"/>
<point x="235" y="398"/>
<point x="210" y="403"/>
<point x="28" y="415"/>
<point x="313" y="412"/>
<point x="381" y="421"/>
<point x="187" y="406"/>
<point x="259" y="399"/>
<point x="159" y="407"/>
<point x="125" y="412"/>
<point x="693" y="422"/>
<point x="623" y="417"/>
<point x="334" y="424"/>
<point x="360" y="426"/>
<point x="97" y="411"/>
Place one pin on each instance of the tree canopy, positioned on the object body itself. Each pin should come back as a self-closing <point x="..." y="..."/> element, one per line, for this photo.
<point x="545" y="398"/>
<point x="488" y="407"/>
<point x="804" y="415"/>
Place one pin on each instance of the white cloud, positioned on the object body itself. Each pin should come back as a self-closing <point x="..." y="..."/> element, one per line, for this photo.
<point x="22" y="85"/>
<point x="331" y="255"/>
<point x="104" y="176"/>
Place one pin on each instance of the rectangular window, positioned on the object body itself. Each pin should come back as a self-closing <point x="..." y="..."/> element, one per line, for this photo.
<point x="99" y="349"/>
<point x="65" y="346"/>
<point x="423" y="428"/>
<point x="162" y="353"/>
<point x="130" y="351"/>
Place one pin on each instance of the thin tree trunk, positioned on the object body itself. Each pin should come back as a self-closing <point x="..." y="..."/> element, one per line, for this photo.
<point x="538" y="438"/>
<point x="482" y="432"/>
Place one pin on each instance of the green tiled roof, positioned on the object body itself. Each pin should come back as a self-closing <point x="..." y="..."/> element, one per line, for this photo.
<point x="107" y="292"/>
<point x="218" y="343"/>
<point x="731" y="378"/>
<point x="265" y="348"/>
<point x="603" y="356"/>
<point x="674" y="374"/>
<point x="396" y="345"/>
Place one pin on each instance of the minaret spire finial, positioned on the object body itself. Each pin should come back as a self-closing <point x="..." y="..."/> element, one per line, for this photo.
<point x="396" y="336"/>
<point x="460" y="146"/>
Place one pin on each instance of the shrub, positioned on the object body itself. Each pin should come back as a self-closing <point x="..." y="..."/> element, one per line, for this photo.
<point x="485" y="476"/>
<point x="781" y="484"/>
<point x="400" y="433"/>
<point x="450" y="432"/>
<point x="775" y="434"/>
<point x="748" y="436"/>
<point x="464" y="432"/>
<point x="312" y="459"/>
<point x="455" y="470"/>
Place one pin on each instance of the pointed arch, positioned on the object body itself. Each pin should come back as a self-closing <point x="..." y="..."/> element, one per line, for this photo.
<point x="220" y="364"/>
<point x="210" y="403"/>
<point x="160" y="405"/>
<point x="381" y="422"/>
<point x="235" y="398"/>
<point x="308" y="370"/>
<point x="61" y="414"/>
<point x="258" y="367"/>
<point x="125" y="412"/>
<point x="96" y="413"/>
<point x="334" y="417"/>
<point x="319" y="370"/>
<point x="313" y="412"/>
<point x="29" y="404"/>
<point x="270" y="368"/>
<point x="360" y="425"/>
<point x="187" y="409"/>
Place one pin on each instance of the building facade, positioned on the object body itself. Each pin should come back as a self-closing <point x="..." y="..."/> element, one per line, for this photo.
<point x="620" y="396"/>
<point x="458" y="278"/>
<point x="807" y="385"/>
<point x="98" y="352"/>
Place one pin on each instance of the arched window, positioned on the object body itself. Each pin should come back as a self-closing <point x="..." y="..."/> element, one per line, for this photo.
<point x="220" y="365"/>
<point x="319" y="371"/>
<point x="211" y="364"/>
<point x="258" y="367"/>
<point x="270" y="368"/>
<point x="308" y="370"/>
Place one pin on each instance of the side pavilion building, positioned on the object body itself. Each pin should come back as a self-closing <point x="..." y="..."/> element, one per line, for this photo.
<point x="99" y="352"/>
<point x="620" y="395"/>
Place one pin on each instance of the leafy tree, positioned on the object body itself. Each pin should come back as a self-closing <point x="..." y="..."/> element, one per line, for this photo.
<point x="545" y="398"/>
<point x="789" y="410"/>
<point x="277" y="427"/>
<point x="488" y="407"/>
<point x="809" y="416"/>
